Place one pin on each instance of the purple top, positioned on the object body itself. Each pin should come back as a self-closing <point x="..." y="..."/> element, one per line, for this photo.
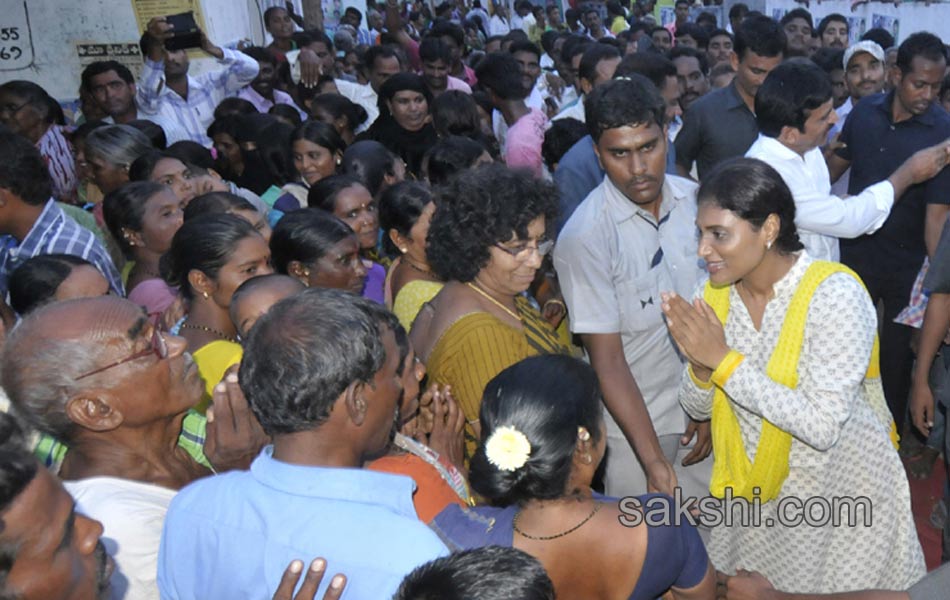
<point x="375" y="280"/>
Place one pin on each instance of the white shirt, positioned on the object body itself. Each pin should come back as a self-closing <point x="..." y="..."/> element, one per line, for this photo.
<point x="821" y="217"/>
<point x="613" y="260"/>
<point x="498" y="26"/>
<point x="574" y="110"/>
<point x="132" y="514"/>
<point x="840" y="187"/>
<point x="362" y="94"/>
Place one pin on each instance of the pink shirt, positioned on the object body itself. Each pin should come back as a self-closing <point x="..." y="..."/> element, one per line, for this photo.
<point x="457" y="84"/>
<point x="523" y="142"/>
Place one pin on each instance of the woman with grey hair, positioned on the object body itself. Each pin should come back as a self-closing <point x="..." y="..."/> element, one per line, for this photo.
<point x="110" y="151"/>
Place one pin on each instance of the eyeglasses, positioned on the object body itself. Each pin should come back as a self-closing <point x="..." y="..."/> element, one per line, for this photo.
<point x="523" y="251"/>
<point x="158" y="347"/>
<point x="12" y="109"/>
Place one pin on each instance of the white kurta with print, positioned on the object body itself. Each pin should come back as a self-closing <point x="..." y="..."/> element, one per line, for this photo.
<point x="840" y="449"/>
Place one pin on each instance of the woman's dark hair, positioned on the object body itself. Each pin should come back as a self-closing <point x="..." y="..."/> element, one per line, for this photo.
<point x="204" y="244"/>
<point x="81" y="132"/>
<point x="272" y="140"/>
<point x="479" y="208"/>
<point x="141" y="169"/>
<point x="339" y="106"/>
<point x="456" y="113"/>
<point x="234" y="106"/>
<point x="369" y="161"/>
<point x="34" y="95"/>
<point x="191" y="153"/>
<point x="34" y="283"/>
<point x="228" y="125"/>
<point x="216" y="203"/>
<point x="124" y="208"/>
<point x="323" y="193"/>
<point x="753" y="190"/>
<point x="450" y="156"/>
<point x="153" y="131"/>
<point x="305" y="235"/>
<point x="288" y="114"/>
<point x="399" y="209"/>
<point x="546" y="398"/>
<point x="321" y="134"/>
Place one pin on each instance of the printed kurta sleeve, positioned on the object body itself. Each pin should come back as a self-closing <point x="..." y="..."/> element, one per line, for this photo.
<point x="839" y="336"/>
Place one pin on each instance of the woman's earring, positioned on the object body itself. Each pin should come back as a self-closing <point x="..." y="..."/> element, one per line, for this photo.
<point x="768" y="245"/>
<point x="587" y="459"/>
<point x="582" y="434"/>
<point x="204" y="295"/>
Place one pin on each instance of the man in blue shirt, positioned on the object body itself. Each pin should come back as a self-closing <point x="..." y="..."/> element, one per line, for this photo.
<point x="881" y="132"/>
<point x="321" y="372"/>
<point x="32" y="223"/>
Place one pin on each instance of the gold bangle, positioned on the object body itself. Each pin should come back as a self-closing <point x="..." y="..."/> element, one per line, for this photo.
<point x="726" y="368"/>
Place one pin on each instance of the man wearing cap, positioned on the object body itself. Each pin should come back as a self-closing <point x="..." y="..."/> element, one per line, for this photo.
<point x="864" y="75"/>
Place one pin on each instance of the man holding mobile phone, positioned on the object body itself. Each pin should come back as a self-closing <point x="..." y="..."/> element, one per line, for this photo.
<point x="166" y="90"/>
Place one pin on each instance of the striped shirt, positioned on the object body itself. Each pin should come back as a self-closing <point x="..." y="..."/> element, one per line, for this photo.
<point x="54" y="232"/>
<point x="58" y="155"/>
<point x="205" y="92"/>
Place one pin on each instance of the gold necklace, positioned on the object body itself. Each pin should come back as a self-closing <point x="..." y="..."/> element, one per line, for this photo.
<point x="475" y="287"/>
<point x="415" y="267"/>
<point x="215" y="332"/>
<point x="543" y="538"/>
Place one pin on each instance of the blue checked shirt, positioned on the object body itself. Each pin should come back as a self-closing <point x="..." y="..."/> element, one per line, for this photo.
<point x="205" y="92"/>
<point x="55" y="232"/>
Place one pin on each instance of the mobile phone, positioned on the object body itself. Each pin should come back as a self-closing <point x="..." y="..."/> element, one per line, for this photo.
<point x="185" y="32"/>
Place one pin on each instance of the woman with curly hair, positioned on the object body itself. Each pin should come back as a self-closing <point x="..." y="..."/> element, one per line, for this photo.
<point x="487" y="241"/>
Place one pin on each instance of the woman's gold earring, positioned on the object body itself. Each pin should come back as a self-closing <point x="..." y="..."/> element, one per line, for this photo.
<point x="587" y="459"/>
<point x="582" y="434"/>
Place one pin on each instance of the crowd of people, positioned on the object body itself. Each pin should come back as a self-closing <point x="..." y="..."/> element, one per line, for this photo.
<point x="458" y="303"/>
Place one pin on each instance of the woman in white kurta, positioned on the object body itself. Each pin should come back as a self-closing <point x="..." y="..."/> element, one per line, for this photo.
<point x="840" y="444"/>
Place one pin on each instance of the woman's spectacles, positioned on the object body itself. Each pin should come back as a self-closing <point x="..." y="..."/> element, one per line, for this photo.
<point x="523" y="252"/>
<point x="12" y="109"/>
<point x="158" y="347"/>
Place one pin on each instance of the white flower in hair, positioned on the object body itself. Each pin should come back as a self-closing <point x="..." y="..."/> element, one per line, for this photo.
<point x="507" y="448"/>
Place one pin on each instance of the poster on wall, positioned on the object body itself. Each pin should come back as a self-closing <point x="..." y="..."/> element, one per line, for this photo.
<point x="127" y="54"/>
<point x="856" y="28"/>
<point x="886" y="22"/>
<point x="16" y="39"/>
<point x="146" y="10"/>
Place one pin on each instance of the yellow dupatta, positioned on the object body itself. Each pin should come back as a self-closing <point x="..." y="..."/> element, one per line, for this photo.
<point x="769" y="468"/>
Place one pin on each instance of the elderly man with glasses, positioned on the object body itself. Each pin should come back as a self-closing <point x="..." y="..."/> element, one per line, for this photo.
<point x="115" y="394"/>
